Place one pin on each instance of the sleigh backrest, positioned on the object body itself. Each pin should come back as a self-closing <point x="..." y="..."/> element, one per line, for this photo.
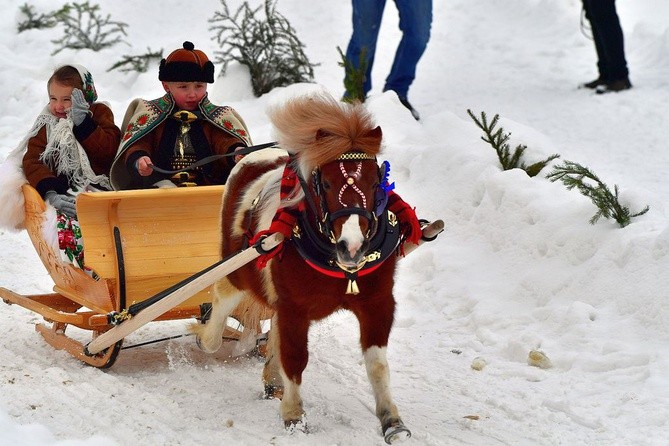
<point x="165" y="235"/>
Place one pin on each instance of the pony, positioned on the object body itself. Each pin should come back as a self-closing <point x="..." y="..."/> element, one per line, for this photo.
<point x="341" y="254"/>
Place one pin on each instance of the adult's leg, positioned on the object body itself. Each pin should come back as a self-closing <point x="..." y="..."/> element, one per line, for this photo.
<point x="367" y="16"/>
<point x="598" y="39"/>
<point x="415" y="23"/>
<point x="603" y="14"/>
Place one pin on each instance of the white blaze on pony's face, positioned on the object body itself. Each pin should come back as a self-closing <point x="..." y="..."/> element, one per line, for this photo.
<point x="347" y="192"/>
<point x="352" y="243"/>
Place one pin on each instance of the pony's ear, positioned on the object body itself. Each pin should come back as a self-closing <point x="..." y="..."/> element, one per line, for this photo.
<point x="375" y="133"/>
<point x="320" y="133"/>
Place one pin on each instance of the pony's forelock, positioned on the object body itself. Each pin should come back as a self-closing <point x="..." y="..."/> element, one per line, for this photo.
<point x="319" y="128"/>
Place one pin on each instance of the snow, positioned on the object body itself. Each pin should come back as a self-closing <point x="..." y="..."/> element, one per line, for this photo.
<point x="519" y="268"/>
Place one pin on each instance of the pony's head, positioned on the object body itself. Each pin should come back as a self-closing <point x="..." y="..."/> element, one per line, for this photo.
<point x="335" y="145"/>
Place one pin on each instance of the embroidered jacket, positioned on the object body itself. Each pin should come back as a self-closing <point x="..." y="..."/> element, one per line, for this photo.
<point x="149" y="131"/>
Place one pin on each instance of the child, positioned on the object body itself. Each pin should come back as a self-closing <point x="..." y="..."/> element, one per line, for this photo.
<point x="73" y="142"/>
<point x="178" y="129"/>
<point x="69" y="149"/>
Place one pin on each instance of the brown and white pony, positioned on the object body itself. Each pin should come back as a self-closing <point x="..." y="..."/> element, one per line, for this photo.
<point x="335" y="147"/>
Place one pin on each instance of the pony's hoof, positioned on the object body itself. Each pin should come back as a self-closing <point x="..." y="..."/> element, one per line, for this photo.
<point x="293" y="426"/>
<point x="395" y="433"/>
<point x="205" y="348"/>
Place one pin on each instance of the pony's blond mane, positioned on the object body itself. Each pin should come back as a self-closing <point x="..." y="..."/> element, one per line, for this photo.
<point x="319" y="128"/>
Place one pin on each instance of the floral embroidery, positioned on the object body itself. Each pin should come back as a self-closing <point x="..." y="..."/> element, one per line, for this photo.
<point x="136" y="126"/>
<point x="69" y="240"/>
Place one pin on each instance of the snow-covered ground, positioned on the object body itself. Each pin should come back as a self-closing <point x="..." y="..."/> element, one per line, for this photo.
<point x="519" y="267"/>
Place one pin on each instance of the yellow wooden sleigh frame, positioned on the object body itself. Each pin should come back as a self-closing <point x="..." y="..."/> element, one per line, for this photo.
<point x="139" y="243"/>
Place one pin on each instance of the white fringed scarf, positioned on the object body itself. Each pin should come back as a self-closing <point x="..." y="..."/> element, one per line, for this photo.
<point x="63" y="154"/>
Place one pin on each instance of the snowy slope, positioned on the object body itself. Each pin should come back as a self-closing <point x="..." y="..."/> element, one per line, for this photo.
<point x="519" y="267"/>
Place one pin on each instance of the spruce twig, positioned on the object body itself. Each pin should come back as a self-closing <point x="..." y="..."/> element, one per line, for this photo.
<point x="33" y="20"/>
<point x="574" y="175"/>
<point x="86" y="29"/>
<point x="138" y="63"/>
<point x="269" y="48"/>
<point x="500" y="142"/>
<point x="354" y="80"/>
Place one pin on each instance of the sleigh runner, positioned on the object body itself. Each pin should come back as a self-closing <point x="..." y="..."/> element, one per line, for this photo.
<point x="139" y="243"/>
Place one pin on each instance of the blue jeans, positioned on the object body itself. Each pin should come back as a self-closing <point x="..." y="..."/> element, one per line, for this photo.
<point x="415" y="22"/>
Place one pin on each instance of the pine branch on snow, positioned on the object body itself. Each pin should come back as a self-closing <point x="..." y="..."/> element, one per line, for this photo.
<point x="86" y="29"/>
<point x="573" y="175"/>
<point x="269" y="48"/>
<point x="33" y="20"/>
<point x="500" y="142"/>
<point x="139" y="63"/>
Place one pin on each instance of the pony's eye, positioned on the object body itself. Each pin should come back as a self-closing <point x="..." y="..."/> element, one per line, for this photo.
<point x="326" y="185"/>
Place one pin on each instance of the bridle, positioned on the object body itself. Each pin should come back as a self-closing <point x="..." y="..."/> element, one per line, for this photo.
<point x="326" y="218"/>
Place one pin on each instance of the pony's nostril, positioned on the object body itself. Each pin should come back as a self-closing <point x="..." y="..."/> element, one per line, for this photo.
<point x="342" y="246"/>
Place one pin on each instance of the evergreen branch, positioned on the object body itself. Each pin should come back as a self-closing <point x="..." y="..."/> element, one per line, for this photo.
<point x="500" y="142"/>
<point x="354" y="80"/>
<point x="86" y="29"/>
<point x="139" y="63"/>
<point x="269" y="48"/>
<point x="34" y="20"/>
<point x="574" y="175"/>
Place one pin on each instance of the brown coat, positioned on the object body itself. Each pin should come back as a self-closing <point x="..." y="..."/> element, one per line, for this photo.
<point x="97" y="134"/>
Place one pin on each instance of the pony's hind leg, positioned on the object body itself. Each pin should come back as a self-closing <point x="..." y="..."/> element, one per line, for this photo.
<point x="378" y="373"/>
<point x="271" y="375"/>
<point x="209" y="336"/>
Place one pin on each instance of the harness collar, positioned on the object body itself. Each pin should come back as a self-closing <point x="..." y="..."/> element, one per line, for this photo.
<point x="318" y="253"/>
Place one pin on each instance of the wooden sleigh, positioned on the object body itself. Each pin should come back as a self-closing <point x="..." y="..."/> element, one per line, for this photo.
<point x="159" y="247"/>
<point x="141" y="244"/>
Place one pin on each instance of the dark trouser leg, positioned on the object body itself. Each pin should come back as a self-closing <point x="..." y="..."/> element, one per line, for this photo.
<point x="608" y="36"/>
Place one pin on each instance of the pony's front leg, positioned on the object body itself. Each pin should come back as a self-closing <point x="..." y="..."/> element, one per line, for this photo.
<point x="209" y="336"/>
<point x="376" y="319"/>
<point x="379" y="376"/>
<point x="293" y="337"/>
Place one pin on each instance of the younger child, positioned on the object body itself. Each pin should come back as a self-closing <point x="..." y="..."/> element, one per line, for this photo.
<point x="69" y="149"/>
<point x="73" y="141"/>
<point x="178" y="129"/>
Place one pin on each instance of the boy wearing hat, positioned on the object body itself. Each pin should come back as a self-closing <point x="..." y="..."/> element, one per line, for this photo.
<point x="178" y="129"/>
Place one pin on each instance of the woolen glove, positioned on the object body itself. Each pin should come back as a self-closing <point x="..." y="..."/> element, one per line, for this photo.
<point x="79" y="108"/>
<point x="66" y="204"/>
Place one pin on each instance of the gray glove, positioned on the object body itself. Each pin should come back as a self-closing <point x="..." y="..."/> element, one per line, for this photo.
<point x="79" y="108"/>
<point x="64" y="203"/>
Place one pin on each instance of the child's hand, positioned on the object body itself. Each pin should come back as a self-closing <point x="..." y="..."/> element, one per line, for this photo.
<point x="143" y="166"/>
<point x="79" y="108"/>
<point x="63" y="202"/>
<point x="238" y="158"/>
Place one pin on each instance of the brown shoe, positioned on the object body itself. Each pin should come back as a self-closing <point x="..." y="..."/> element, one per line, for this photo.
<point x="614" y="86"/>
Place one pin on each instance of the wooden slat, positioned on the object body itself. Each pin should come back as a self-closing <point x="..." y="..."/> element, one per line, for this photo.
<point x="166" y="234"/>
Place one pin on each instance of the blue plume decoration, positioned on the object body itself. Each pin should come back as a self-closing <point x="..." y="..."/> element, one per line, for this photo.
<point x="385" y="173"/>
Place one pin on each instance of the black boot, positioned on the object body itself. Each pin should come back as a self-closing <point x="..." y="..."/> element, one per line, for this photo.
<point x="614" y="86"/>
<point x="593" y="84"/>
<point x="413" y="111"/>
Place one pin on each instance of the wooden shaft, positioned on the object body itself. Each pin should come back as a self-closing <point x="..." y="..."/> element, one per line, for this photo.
<point x="179" y="295"/>
<point x="429" y="232"/>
